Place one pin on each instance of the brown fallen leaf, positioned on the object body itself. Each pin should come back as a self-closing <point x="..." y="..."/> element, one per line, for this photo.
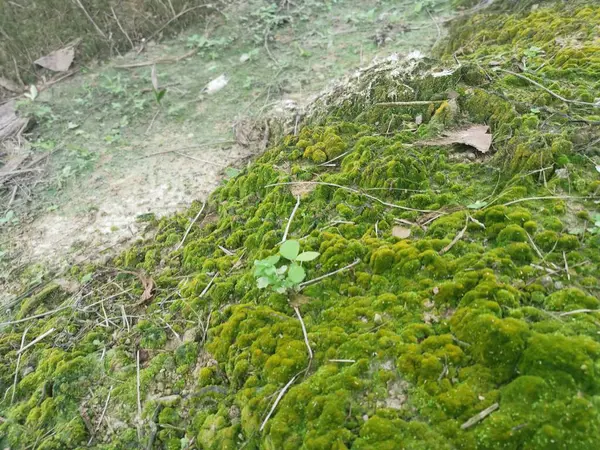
<point x="57" y="61"/>
<point x="475" y="136"/>
<point x="148" y="284"/>
<point x="401" y="232"/>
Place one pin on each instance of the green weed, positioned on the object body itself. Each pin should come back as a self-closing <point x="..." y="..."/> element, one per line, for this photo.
<point x="286" y="276"/>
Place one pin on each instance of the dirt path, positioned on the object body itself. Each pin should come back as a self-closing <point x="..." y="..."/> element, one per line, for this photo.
<point x="102" y="125"/>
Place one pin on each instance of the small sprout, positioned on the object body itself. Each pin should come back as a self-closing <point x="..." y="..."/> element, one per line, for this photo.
<point x="32" y="94"/>
<point x="477" y="205"/>
<point x="286" y="276"/>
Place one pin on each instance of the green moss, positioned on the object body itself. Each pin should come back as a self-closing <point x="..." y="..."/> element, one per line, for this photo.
<point x="409" y="339"/>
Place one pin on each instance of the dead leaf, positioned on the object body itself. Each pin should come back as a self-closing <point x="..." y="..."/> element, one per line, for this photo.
<point x="9" y="85"/>
<point x="154" y="78"/>
<point x="475" y="136"/>
<point x="401" y="232"/>
<point x="148" y="284"/>
<point x="216" y="85"/>
<point x="57" y="61"/>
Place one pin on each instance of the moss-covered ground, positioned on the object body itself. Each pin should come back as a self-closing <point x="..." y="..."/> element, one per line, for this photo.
<point x="489" y="307"/>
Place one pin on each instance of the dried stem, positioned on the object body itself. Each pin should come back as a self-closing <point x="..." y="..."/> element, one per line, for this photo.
<point x="90" y="19"/>
<point x="36" y="340"/>
<point x="310" y="353"/>
<point x="101" y="416"/>
<point x="356" y="191"/>
<point x="190" y="227"/>
<point x="289" y="223"/>
<point x="121" y="28"/>
<point x="413" y="103"/>
<point x="457" y="238"/>
<point x="12" y="398"/>
<point x="551" y="197"/>
<point x="205" y="290"/>
<point x="278" y="399"/>
<point x="316" y="280"/>
<point x="479" y="417"/>
<point x="139" y="401"/>
<point x="552" y="93"/>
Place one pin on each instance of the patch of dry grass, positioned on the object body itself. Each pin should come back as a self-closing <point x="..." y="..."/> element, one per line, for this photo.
<point x="30" y="29"/>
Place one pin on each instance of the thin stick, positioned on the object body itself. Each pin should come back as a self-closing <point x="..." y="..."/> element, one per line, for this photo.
<point x="566" y="266"/>
<point x="356" y="191"/>
<point x="121" y="28"/>
<point x="335" y="159"/>
<point x="310" y="353"/>
<point x="413" y="103"/>
<point x="268" y="50"/>
<point x="171" y="328"/>
<point x="578" y="311"/>
<point x="173" y="59"/>
<point x="139" y="401"/>
<point x="153" y="119"/>
<point x="125" y="321"/>
<point x="349" y="361"/>
<point x="101" y="416"/>
<point x="196" y="159"/>
<point x="205" y="290"/>
<point x="190" y="227"/>
<point x="105" y="315"/>
<point x="91" y="20"/>
<point x="12" y="398"/>
<point x="439" y="31"/>
<point x="206" y="328"/>
<point x="457" y="238"/>
<point x="289" y="223"/>
<point x="554" y="94"/>
<point x="185" y="11"/>
<point x="535" y="247"/>
<point x="206" y="144"/>
<point x="479" y="417"/>
<point x="283" y="390"/>
<point x="316" y="280"/>
<point x="36" y="340"/>
<point x="551" y="197"/>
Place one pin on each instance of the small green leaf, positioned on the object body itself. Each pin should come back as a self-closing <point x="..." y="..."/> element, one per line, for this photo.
<point x="272" y="260"/>
<point x="87" y="277"/>
<point x="282" y="270"/>
<point x="262" y="282"/>
<point x="296" y="274"/>
<point x="160" y="94"/>
<point x="232" y="172"/>
<point x="290" y="250"/>
<point x="477" y="205"/>
<point x="307" y="256"/>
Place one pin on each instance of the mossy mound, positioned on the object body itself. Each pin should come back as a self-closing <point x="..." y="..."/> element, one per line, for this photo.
<point x="490" y="304"/>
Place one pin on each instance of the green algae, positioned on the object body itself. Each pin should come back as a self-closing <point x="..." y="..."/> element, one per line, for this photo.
<point x="417" y="337"/>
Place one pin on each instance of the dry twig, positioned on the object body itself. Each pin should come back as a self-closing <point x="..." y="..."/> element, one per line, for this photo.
<point x="190" y="227"/>
<point x="315" y="280"/>
<point x="278" y="399"/>
<point x="552" y="93"/>
<point x="457" y="238"/>
<point x="411" y="103"/>
<point x="289" y="223"/>
<point x="356" y="191"/>
<point x="310" y="353"/>
<point x="479" y="417"/>
<point x="19" y="353"/>
<point x="90" y="19"/>
<point x="36" y="340"/>
<point x="121" y="28"/>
